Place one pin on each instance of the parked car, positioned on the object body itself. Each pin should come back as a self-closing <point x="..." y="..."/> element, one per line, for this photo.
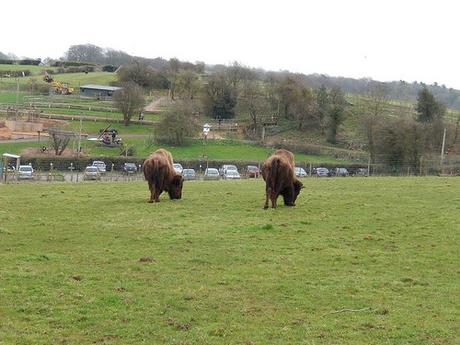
<point x="226" y="167"/>
<point x="189" y="174"/>
<point x="359" y="172"/>
<point x="25" y="172"/>
<point x="343" y="172"/>
<point x="101" y="166"/>
<point x="211" y="174"/>
<point x="252" y="171"/>
<point x="322" y="172"/>
<point x="300" y="172"/>
<point x="231" y="175"/>
<point x="129" y="168"/>
<point x="92" y="173"/>
<point x="178" y="168"/>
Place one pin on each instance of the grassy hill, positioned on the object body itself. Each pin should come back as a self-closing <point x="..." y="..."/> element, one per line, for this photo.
<point x="357" y="261"/>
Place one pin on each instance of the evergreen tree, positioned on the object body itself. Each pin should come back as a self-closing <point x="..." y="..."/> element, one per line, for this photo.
<point x="428" y="109"/>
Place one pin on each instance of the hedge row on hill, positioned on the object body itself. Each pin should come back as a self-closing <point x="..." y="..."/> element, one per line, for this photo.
<point x="71" y="64"/>
<point x="28" y="62"/>
<point x="14" y="74"/>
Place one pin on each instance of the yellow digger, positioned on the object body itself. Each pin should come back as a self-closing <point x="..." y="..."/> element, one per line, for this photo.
<point x="59" y="88"/>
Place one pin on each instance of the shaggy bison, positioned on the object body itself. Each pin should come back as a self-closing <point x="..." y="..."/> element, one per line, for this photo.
<point x="279" y="176"/>
<point x="160" y="174"/>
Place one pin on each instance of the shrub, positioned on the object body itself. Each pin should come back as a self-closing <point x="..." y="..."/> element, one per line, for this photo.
<point x="177" y="125"/>
<point x="109" y="68"/>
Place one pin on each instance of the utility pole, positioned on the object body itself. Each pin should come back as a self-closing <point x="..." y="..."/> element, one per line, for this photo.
<point x="442" y="149"/>
<point x="17" y="96"/>
<point x="79" y="139"/>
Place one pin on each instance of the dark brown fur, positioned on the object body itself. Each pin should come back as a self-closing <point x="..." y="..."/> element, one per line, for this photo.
<point x="160" y="175"/>
<point x="279" y="176"/>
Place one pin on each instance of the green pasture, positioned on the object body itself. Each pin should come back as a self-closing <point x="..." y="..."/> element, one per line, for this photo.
<point x="73" y="79"/>
<point x="93" y="127"/>
<point x="114" y="114"/>
<point x="366" y="261"/>
<point x="31" y="68"/>
<point x="214" y="149"/>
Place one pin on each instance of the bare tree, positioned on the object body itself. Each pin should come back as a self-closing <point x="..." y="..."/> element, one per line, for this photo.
<point x="129" y="100"/>
<point x="187" y="83"/>
<point x="143" y="75"/>
<point x="174" y="67"/>
<point x="373" y="108"/>
<point x="253" y="100"/>
<point x="85" y="53"/>
<point x="60" y="137"/>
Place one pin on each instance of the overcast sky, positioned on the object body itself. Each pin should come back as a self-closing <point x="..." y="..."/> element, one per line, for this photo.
<point x="385" y="40"/>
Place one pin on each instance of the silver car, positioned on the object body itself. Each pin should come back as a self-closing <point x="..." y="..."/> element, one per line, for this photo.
<point x="232" y="175"/>
<point x="211" y="174"/>
<point x="300" y="172"/>
<point x="100" y="165"/>
<point x="189" y="174"/>
<point x="25" y="172"/>
<point x="178" y="168"/>
<point x="92" y="173"/>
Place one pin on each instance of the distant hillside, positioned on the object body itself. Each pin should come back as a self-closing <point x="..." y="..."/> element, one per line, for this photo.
<point x="397" y="90"/>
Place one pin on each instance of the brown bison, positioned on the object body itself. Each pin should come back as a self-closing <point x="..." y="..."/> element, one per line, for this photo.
<point x="160" y="174"/>
<point x="279" y="176"/>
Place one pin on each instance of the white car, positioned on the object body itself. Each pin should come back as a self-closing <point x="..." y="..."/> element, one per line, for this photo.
<point x="25" y="172"/>
<point x="178" y="168"/>
<point x="226" y="168"/>
<point x="100" y="165"/>
<point x="232" y="175"/>
<point x="300" y="172"/>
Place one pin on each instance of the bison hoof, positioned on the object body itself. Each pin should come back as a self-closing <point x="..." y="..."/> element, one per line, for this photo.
<point x="266" y="207"/>
<point x="150" y="201"/>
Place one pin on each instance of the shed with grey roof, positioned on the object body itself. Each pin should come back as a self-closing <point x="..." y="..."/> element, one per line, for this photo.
<point x="98" y="91"/>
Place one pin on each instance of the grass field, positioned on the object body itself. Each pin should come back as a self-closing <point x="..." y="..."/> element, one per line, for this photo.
<point x="357" y="261"/>
<point x="215" y="149"/>
<point x="73" y="79"/>
<point x="32" y="69"/>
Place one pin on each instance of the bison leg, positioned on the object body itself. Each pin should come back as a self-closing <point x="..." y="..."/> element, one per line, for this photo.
<point x="152" y="191"/>
<point x="157" y="195"/>
<point x="267" y="193"/>
<point x="273" y="198"/>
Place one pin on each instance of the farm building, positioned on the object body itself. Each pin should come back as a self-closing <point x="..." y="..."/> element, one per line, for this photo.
<point x="98" y="91"/>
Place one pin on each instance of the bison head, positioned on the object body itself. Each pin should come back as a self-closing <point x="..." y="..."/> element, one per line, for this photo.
<point x="290" y="196"/>
<point x="175" y="187"/>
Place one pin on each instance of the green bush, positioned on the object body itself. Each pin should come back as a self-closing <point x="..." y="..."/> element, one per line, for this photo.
<point x="109" y="68"/>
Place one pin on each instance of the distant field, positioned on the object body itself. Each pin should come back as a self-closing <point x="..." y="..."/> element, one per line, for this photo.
<point x="358" y="261"/>
<point x="115" y="115"/>
<point x="10" y="97"/>
<point x="73" y="79"/>
<point x="32" y="69"/>
<point x="92" y="127"/>
<point x="217" y="150"/>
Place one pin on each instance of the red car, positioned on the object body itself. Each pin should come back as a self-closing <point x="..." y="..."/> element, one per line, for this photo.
<point x="252" y="171"/>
